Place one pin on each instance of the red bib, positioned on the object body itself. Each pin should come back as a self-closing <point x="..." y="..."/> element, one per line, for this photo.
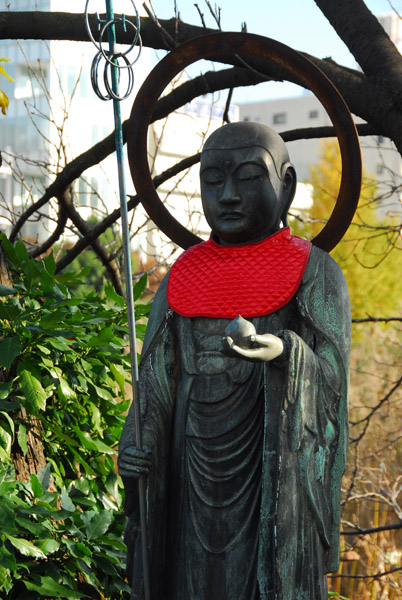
<point x="211" y="280"/>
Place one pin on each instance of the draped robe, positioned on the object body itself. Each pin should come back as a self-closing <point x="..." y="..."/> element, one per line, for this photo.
<point x="244" y="493"/>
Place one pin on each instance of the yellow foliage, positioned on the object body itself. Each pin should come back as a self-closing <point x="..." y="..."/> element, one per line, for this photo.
<point x="370" y="254"/>
<point x="4" y="101"/>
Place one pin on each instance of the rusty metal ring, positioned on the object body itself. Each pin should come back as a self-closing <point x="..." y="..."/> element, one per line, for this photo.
<point x="227" y="44"/>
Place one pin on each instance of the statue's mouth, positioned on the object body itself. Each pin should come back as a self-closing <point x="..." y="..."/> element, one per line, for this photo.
<point x="231" y="215"/>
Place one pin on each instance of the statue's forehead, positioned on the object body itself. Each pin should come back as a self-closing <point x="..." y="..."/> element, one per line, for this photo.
<point x="235" y="156"/>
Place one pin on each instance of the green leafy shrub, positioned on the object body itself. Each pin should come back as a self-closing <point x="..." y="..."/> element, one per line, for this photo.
<point x="64" y="367"/>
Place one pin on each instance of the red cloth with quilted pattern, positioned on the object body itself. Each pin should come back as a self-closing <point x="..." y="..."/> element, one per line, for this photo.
<point x="212" y="280"/>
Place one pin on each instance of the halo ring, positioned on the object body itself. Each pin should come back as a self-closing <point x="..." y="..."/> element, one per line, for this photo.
<point x="217" y="45"/>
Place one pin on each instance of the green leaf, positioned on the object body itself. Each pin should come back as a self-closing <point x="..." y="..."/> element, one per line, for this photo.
<point x="6" y="433"/>
<point x="140" y="286"/>
<point x="22" y="439"/>
<point x="66" y="501"/>
<point x="48" y="545"/>
<point x="47" y="586"/>
<point x="59" y="343"/>
<point x="44" y="476"/>
<point x="50" y="263"/>
<point x="4" y="457"/>
<point x="4" y="577"/>
<point x="36" y="486"/>
<point x="36" y="529"/>
<point x="32" y="389"/>
<point x="91" y="444"/>
<point x="10" y="348"/>
<point x="43" y="349"/>
<point x="96" y="417"/>
<point x="7" y="291"/>
<point x="103" y="393"/>
<point x="7" y="247"/>
<point x="113" y="295"/>
<point x="104" y="336"/>
<point x="81" y="549"/>
<point x="5" y="389"/>
<point x="9" y="312"/>
<point x="64" y="390"/>
<point x="25" y="547"/>
<point x="21" y="251"/>
<point x="97" y="524"/>
<point x="9" y="406"/>
<point x="120" y="377"/>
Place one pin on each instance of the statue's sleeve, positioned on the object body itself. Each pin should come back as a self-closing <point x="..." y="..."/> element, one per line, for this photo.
<point x="156" y="387"/>
<point x="315" y="400"/>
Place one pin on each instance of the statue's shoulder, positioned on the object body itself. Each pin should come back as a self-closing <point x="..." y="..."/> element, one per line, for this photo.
<point x="322" y="267"/>
<point x="157" y="315"/>
<point x="323" y="297"/>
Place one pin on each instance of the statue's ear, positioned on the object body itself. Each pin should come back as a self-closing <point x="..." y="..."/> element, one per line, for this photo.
<point x="289" y="178"/>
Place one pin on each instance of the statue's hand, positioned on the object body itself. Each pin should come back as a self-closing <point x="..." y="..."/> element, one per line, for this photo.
<point x="134" y="462"/>
<point x="263" y="347"/>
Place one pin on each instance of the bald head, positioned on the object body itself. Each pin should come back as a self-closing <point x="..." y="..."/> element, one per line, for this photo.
<point x="249" y="135"/>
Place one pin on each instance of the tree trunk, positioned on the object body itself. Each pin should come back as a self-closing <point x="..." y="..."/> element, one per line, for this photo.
<point x="35" y="458"/>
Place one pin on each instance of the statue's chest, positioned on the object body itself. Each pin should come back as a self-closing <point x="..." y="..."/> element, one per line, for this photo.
<point x="222" y="390"/>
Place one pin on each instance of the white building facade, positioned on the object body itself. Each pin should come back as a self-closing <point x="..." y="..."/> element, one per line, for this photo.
<point x="381" y="160"/>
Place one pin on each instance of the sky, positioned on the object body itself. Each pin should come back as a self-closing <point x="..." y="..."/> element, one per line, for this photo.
<point x="297" y="23"/>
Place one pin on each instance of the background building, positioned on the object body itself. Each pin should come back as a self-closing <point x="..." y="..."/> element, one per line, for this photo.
<point x="54" y="116"/>
<point x="381" y="160"/>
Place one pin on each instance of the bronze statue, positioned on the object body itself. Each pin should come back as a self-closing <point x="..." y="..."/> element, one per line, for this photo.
<point x="244" y="420"/>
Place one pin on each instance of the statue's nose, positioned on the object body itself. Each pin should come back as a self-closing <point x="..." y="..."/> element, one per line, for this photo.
<point x="230" y="193"/>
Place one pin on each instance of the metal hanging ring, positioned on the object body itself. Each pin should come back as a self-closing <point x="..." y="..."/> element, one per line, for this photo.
<point x="217" y="45"/>
<point x="137" y="27"/>
<point x="130" y="83"/>
<point x="95" y="77"/>
<point x="110" y="58"/>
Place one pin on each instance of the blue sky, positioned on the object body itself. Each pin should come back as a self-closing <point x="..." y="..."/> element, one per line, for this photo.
<point x="297" y="23"/>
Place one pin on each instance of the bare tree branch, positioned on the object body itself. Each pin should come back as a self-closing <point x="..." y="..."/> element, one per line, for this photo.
<point x="96" y="231"/>
<point x="377" y="319"/>
<point x="107" y="260"/>
<point x="380" y="403"/>
<point x="360" y="531"/>
<point x="375" y="576"/>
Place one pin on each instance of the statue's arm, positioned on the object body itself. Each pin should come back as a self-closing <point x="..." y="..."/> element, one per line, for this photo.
<point x="156" y="394"/>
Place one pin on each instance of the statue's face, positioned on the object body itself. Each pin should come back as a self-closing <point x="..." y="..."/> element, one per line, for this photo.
<point x="241" y="194"/>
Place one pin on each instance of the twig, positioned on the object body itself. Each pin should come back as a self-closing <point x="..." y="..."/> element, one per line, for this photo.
<point x="376" y="576"/>
<point x="58" y="232"/>
<point x="370" y="319"/>
<point x="170" y="42"/>
<point x="216" y="13"/>
<point x="225" y="117"/>
<point x="379" y="404"/>
<point x="360" y="531"/>
<point x="201" y="15"/>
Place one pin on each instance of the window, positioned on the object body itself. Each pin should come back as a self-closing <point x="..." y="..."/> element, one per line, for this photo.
<point x="380" y="169"/>
<point x="279" y="118"/>
<point x="94" y="193"/>
<point x="313" y="114"/>
<point x="29" y="81"/>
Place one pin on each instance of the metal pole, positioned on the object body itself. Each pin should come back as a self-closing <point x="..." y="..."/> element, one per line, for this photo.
<point x="129" y="289"/>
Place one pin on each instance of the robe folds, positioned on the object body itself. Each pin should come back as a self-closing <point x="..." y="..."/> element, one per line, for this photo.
<point x="274" y="433"/>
